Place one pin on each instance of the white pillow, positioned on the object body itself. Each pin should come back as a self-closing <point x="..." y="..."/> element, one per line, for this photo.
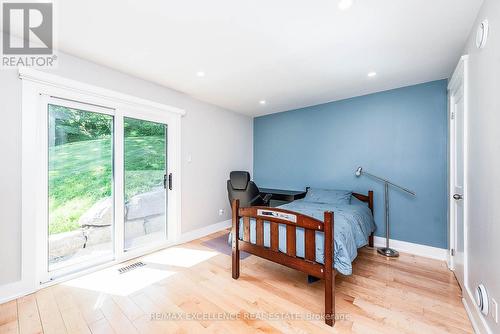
<point x="328" y="196"/>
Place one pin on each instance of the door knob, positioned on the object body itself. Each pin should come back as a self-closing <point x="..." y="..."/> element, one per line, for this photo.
<point x="457" y="196"/>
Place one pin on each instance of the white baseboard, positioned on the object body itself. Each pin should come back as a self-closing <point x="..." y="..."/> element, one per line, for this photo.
<point x="478" y="323"/>
<point x="415" y="249"/>
<point x="204" y="231"/>
<point x="11" y="291"/>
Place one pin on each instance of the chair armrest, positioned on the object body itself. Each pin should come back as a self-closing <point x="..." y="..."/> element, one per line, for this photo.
<point x="261" y="200"/>
<point x="267" y="198"/>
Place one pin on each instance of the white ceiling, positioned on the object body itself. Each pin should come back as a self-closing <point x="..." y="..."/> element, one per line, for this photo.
<point x="290" y="53"/>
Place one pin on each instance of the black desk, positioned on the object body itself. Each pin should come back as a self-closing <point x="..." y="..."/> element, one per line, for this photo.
<point x="281" y="196"/>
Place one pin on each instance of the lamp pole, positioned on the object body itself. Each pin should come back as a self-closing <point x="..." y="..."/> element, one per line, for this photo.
<point x="386" y="251"/>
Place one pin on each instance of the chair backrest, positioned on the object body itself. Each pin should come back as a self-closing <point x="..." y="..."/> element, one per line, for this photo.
<point x="240" y="187"/>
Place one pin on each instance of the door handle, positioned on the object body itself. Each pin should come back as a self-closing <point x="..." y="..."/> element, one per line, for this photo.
<point x="167" y="181"/>
<point x="457" y="197"/>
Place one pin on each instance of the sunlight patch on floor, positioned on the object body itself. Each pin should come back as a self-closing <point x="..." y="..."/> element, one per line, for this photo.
<point x="100" y="301"/>
<point x="110" y="281"/>
<point x="179" y="257"/>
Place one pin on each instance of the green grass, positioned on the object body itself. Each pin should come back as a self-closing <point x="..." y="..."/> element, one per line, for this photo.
<point x="80" y="174"/>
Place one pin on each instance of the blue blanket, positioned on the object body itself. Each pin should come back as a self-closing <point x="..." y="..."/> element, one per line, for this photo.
<point x="353" y="223"/>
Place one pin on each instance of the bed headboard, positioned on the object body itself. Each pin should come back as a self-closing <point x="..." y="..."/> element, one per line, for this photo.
<point x="364" y="198"/>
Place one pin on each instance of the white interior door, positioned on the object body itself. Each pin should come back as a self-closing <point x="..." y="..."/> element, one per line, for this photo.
<point x="457" y="149"/>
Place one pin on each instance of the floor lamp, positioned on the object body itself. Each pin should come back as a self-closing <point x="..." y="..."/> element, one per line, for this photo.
<point x="386" y="251"/>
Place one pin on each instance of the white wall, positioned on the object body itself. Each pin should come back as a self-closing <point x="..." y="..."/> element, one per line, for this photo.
<point x="218" y="141"/>
<point x="10" y="177"/>
<point x="484" y="160"/>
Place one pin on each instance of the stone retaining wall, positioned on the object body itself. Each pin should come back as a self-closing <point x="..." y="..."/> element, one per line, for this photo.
<point x="145" y="214"/>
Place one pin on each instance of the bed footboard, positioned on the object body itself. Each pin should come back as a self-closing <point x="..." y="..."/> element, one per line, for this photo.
<point x="292" y="220"/>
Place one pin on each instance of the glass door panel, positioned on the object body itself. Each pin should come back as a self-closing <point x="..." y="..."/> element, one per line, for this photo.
<point x="145" y="165"/>
<point x="80" y="187"/>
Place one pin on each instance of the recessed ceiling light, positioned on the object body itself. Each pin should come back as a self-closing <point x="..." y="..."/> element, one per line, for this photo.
<point x="345" y="4"/>
<point x="200" y="74"/>
<point x="372" y="74"/>
<point x="262" y="102"/>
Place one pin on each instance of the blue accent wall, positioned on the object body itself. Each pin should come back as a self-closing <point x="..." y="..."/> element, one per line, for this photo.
<point x="399" y="134"/>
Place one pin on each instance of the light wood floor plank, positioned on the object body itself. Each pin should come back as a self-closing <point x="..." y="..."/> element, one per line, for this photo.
<point x="101" y="326"/>
<point x="408" y="294"/>
<point x="118" y="321"/>
<point x="128" y="307"/>
<point x="152" y="321"/>
<point x="88" y="302"/>
<point x="50" y="316"/>
<point x="8" y="318"/>
<point x="29" y="318"/>
<point x="72" y="316"/>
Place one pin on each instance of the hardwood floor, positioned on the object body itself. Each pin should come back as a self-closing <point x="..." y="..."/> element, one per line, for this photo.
<point x="409" y="294"/>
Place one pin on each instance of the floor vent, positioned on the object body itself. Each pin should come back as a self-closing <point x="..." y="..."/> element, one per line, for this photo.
<point x="130" y="267"/>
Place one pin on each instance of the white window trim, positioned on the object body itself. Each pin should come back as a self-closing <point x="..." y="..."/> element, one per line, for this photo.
<point x="115" y="97"/>
<point x="37" y="86"/>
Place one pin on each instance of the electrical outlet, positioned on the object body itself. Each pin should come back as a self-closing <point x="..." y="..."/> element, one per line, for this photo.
<point x="221" y="212"/>
<point x="494" y="309"/>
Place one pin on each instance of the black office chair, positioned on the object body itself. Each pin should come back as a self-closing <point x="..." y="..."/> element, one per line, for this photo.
<point x="240" y="187"/>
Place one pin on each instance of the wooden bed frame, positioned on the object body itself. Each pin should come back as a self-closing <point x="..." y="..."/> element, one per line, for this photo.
<point x="292" y="220"/>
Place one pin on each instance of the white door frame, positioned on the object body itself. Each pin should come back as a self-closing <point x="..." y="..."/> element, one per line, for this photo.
<point x="38" y="88"/>
<point x="459" y="80"/>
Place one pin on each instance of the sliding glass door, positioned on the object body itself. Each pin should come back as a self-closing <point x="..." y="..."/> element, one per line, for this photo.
<point x="145" y="182"/>
<point x="104" y="184"/>
<point x="80" y="187"/>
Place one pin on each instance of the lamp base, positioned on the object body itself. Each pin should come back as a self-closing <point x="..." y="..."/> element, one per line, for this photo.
<point x="389" y="252"/>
